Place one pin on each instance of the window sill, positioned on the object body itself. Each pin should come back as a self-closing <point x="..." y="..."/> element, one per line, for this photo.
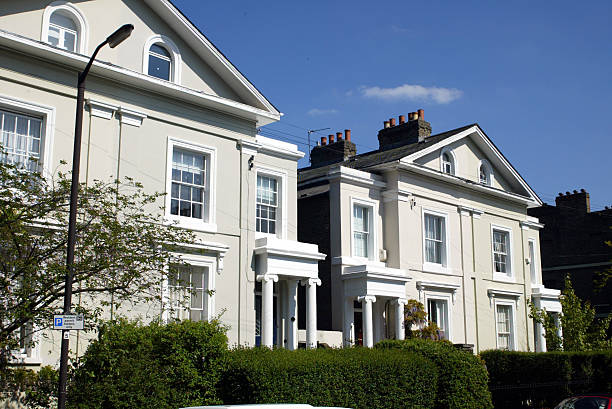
<point x="24" y="360"/>
<point x="503" y="277"/>
<point x="436" y="268"/>
<point x="191" y="224"/>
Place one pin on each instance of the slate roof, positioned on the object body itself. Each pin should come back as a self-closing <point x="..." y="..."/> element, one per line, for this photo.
<point x="377" y="157"/>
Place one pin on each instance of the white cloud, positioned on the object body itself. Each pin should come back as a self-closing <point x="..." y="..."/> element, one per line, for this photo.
<point x="413" y="93"/>
<point x="317" y="112"/>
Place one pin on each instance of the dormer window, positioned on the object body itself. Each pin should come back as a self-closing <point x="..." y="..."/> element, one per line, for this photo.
<point x="160" y="62"/>
<point x="447" y="162"/>
<point x="64" y="27"/>
<point x="162" y="59"/>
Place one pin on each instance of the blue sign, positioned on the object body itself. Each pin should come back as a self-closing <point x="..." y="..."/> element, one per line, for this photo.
<point x="58" y="321"/>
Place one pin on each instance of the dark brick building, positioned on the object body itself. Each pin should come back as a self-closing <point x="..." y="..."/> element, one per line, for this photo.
<point x="573" y="241"/>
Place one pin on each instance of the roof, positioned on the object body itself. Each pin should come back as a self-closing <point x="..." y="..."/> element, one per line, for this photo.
<point x="378" y="157"/>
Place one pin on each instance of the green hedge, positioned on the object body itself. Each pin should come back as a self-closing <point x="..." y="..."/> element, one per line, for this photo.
<point x="462" y="377"/>
<point x="357" y="378"/>
<point x="536" y="380"/>
<point x="153" y="366"/>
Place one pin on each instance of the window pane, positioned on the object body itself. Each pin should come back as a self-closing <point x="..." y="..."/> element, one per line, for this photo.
<point x="53" y="37"/>
<point x="160" y="50"/>
<point x="159" y="68"/>
<point x="70" y="41"/>
<point x="61" y="20"/>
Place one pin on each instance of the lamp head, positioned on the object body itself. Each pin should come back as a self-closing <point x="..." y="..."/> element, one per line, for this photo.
<point x="118" y="36"/>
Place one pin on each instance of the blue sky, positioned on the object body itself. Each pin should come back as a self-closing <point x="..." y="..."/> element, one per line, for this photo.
<point x="536" y="76"/>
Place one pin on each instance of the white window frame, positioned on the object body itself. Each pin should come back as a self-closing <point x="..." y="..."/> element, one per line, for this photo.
<point x="373" y="237"/>
<point x="190" y="223"/>
<point x="509" y="275"/>
<point x="281" y="214"/>
<point x="77" y="17"/>
<point x="513" y="309"/>
<point x="451" y="154"/>
<point x="449" y="303"/>
<point x="170" y="46"/>
<point x="21" y="356"/>
<point x="533" y="265"/>
<point x="195" y="261"/>
<point x="435" y="267"/>
<point x="47" y="114"/>
<point x="488" y="169"/>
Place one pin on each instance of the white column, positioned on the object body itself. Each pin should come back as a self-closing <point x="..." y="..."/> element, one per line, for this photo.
<point x="281" y="305"/>
<point x="400" y="332"/>
<point x="311" y="311"/>
<point x="267" y="308"/>
<point x="292" y="341"/>
<point x="348" y="332"/>
<point x="378" y="311"/>
<point x="366" y="305"/>
<point x="540" y="338"/>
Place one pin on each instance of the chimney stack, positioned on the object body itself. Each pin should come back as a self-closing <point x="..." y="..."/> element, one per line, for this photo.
<point x="339" y="149"/>
<point x="579" y="201"/>
<point x="414" y="131"/>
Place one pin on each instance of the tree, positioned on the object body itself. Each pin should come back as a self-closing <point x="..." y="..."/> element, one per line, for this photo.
<point x="582" y="331"/>
<point x="415" y="316"/>
<point x="541" y="316"/>
<point x="124" y="249"/>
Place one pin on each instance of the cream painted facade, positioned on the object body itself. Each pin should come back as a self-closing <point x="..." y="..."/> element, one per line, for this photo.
<point x="403" y="192"/>
<point x="136" y="123"/>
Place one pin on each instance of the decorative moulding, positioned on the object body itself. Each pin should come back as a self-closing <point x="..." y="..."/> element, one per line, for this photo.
<point x="430" y="285"/>
<point x="493" y="293"/>
<point x="131" y="117"/>
<point x="101" y="109"/>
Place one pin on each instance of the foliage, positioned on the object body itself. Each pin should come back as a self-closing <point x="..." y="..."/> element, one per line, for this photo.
<point x="602" y="278"/>
<point x="416" y="317"/>
<point x="28" y="388"/>
<point x="122" y="249"/>
<point x="462" y="377"/>
<point x="582" y="331"/>
<point x="537" y="380"/>
<point x="547" y="320"/>
<point x="153" y="366"/>
<point x="354" y="377"/>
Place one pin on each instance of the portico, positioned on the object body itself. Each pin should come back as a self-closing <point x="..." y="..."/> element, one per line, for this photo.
<point x="380" y="292"/>
<point x="289" y="264"/>
<point x="546" y="299"/>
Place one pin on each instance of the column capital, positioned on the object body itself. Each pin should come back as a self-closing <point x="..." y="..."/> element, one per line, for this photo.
<point x="311" y="281"/>
<point x="267" y="277"/>
<point x="401" y="301"/>
<point x="366" y="298"/>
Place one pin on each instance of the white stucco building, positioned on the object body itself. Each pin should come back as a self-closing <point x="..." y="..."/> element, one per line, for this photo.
<point x="169" y="110"/>
<point x="441" y="219"/>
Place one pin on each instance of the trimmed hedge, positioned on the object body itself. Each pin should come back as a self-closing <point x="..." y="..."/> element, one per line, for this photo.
<point x="536" y="380"/>
<point x="152" y="366"/>
<point x="462" y="377"/>
<point x="358" y="378"/>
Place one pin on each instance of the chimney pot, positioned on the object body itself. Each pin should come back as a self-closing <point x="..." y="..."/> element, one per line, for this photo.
<point x="421" y="113"/>
<point x="338" y="136"/>
<point x="402" y="119"/>
<point x="575" y="191"/>
<point x="392" y="121"/>
<point x="560" y="194"/>
<point x="413" y="116"/>
<point x="582" y="191"/>
<point x="347" y="134"/>
<point x="331" y="138"/>
<point x="567" y="193"/>
<point x="324" y="140"/>
<point x="386" y="124"/>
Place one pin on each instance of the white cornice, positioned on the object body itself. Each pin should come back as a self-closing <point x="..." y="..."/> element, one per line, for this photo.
<point x="494" y="293"/>
<point x="400" y="195"/>
<point x="356" y="177"/>
<point x="431" y="285"/>
<point x="278" y="148"/>
<point x="467" y="211"/>
<point x="131" y="117"/>
<point x="287" y="248"/>
<point x="101" y="109"/>
<point x="526" y="225"/>
<point x="137" y="79"/>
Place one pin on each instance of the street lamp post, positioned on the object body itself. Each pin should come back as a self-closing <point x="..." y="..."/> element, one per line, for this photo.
<point x="113" y="40"/>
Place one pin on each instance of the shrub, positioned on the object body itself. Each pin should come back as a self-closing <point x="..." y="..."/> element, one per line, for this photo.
<point x="355" y="377"/>
<point x="462" y="377"/>
<point x="152" y="366"/>
<point x="27" y="388"/>
<point x="535" y="380"/>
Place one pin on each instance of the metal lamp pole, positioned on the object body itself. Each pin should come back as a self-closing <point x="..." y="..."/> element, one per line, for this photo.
<point x="113" y="40"/>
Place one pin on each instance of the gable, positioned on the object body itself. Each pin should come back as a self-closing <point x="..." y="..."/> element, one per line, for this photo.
<point x="201" y="67"/>
<point x="468" y="150"/>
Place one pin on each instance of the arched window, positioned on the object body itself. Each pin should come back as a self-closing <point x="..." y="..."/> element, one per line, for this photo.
<point x="162" y="59"/>
<point x="65" y="27"/>
<point x="447" y="162"/>
<point x="485" y="174"/>
<point x="160" y="62"/>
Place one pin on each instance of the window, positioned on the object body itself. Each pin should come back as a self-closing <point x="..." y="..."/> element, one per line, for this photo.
<point x="160" y="62"/>
<point x="21" y="138"/>
<point x="63" y="32"/>
<point x="190" y="201"/>
<point x="267" y="211"/>
<point x="505" y="327"/>
<point x="162" y="59"/>
<point x="361" y="231"/>
<point x="188" y="184"/>
<point x="484" y="179"/>
<point x="485" y="173"/>
<point x="447" y="162"/>
<point x="437" y="310"/>
<point x="532" y="262"/>
<point x="502" y="264"/>
<point x="188" y="288"/>
<point x="65" y="27"/>
<point x="435" y="238"/>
